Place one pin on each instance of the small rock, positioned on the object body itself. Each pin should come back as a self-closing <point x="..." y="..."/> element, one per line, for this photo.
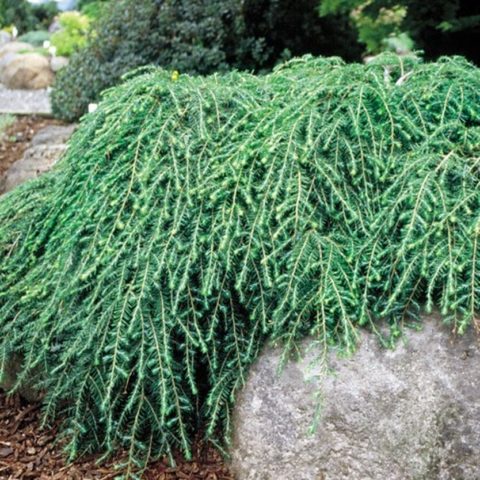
<point x="57" y="63"/>
<point x="35" y="161"/>
<point x="53" y="135"/>
<point x="5" y="37"/>
<point x="24" y="102"/>
<point x="54" y="26"/>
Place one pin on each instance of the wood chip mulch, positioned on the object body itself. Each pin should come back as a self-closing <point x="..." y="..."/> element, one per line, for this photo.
<point x="17" y="137"/>
<point x="29" y="452"/>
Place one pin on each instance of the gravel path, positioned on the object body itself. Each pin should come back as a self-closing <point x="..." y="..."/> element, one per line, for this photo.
<point x="24" y="101"/>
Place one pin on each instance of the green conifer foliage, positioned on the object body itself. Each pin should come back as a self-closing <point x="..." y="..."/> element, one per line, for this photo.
<point x="193" y="220"/>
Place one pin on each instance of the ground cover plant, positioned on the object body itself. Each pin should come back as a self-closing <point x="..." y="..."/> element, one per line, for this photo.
<point x="195" y="219"/>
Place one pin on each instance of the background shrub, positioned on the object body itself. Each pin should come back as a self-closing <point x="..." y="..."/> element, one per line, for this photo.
<point x="134" y="33"/>
<point x="35" y="37"/>
<point x="26" y="16"/>
<point x="94" y="9"/>
<point x="18" y="13"/>
<point x="73" y="33"/>
<point x="437" y="27"/>
<point x="289" y="28"/>
<point x="44" y="14"/>
<point x="195" y="36"/>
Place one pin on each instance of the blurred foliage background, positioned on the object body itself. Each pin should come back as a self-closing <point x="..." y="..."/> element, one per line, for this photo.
<point x="26" y="16"/>
<point x="438" y="27"/>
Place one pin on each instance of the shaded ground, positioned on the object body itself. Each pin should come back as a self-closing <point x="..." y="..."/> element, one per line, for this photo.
<point x="17" y="137"/>
<point x="28" y="452"/>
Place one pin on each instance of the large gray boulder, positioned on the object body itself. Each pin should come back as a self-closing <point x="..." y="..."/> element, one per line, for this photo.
<point x="24" y="102"/>
<point x="9" y="52"/>
<point x="46" y="147"/>
<point x="408" y="414"/>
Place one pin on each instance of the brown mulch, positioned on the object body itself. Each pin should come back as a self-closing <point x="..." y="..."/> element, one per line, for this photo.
<point x="17" y="137"/>
<point x="28" y="452"/>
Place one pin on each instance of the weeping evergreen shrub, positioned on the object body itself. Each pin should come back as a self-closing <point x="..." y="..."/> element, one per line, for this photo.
<point x="192" y="220"/>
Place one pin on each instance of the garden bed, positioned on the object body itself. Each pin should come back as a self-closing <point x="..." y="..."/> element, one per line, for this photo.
<point x="17" y="137"/>
<point x="29" y="452"/>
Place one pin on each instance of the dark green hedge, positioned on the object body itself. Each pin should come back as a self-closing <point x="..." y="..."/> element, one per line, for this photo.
<point x="195" y="36"/>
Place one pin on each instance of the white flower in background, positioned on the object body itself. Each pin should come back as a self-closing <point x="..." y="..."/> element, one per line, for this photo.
<point x="46" y="44"/>
<point x="92" y="107"/>
<point x="52" y="51"/>
<point x="14" y="32"/>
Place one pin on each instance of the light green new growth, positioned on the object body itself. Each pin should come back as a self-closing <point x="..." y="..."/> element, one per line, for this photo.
<point x="192" y="221"/>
